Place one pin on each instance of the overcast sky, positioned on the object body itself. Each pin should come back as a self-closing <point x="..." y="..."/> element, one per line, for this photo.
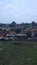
<point x="18" y="11"/>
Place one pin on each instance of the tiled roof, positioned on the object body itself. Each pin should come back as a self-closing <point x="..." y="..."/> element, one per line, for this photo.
<point x="12" y="32"/>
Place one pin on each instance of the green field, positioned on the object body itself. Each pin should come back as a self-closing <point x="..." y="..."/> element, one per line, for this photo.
<point x="17" y="54"/>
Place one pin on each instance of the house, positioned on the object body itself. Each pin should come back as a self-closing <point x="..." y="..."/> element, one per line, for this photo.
<point x="1" y="35"/>
<point x="21" y="34"/>
<point x="11" y="35"/>
<point x="34" y="32"/>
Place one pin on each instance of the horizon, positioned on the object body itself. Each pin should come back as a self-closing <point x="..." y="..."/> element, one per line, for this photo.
<point x="20" y="23"/>
<point x="19" y="11"/>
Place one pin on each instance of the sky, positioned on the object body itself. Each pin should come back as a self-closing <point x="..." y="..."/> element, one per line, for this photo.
<point x="18" y="11"/>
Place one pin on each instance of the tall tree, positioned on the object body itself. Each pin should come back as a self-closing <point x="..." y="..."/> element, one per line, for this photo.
<point x="33" y="23"/>
<point x="13" y="24"/>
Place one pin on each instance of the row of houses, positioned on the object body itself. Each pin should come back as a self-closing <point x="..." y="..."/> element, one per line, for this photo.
<point x="12" y="34"/>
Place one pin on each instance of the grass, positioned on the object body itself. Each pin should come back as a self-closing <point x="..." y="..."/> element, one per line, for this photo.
<point x="19" y="55"/>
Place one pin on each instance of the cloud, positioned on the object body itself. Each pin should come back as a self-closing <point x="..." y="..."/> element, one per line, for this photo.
<point x="18" y="9"/>
<point x="0" y="2"/>
<point x="9" y="6"/>
<point x="5" y="7"/>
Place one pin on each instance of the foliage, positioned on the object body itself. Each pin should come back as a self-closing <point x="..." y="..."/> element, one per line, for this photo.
<point x="13" y="24"/>
<point x="28" y="34"/>
<point x="33" y="24"/>
<point x="17" y="30"/>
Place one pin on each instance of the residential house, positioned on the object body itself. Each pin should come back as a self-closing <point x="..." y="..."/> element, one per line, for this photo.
<point x="1" y="34"/>
<point x="22" y="33"/>
<point x="11" y="35"/>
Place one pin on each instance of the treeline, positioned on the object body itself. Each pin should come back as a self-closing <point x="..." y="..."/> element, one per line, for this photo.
<point x="22" y="25"/>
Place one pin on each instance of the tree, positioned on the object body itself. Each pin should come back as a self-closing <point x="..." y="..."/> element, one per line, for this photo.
<point x="33" y="23"/>
<point x="28" y="34"/>
<point x="17" y="30"/>
<point x="13" y="24"/>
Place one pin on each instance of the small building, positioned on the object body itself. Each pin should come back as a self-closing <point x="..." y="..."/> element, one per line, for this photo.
<point x="11" y="35"/>
<point x="21" y="35"/>
<point x="1" y="34"/>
